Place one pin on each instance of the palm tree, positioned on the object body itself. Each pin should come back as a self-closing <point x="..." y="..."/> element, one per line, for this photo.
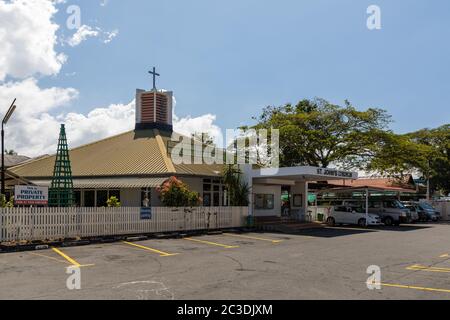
<point x="238" y="191"/>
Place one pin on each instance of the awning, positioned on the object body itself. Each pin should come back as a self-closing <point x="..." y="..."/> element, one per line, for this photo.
<point x="109" y="183"/>
<point x="12" y="179"/>
<point x="364" y="188"/>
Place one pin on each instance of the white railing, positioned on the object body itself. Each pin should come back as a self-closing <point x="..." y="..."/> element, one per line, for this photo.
<point x="29" y="224"/>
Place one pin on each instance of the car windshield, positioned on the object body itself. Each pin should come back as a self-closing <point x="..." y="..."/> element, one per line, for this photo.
<point x="426" y="206"/>
<point x="394" y="204"/>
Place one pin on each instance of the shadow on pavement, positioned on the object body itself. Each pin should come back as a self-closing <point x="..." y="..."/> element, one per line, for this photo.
<point x="341" y="231"/>
<point x="331" y="232"/>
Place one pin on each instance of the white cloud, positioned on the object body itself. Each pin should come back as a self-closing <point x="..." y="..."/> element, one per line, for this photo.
<point x="109" y="36"/>
<point x="82" y="34"/>
<point x="34" y="127"/>
<point x="85" y="32"/>
<point x="27" y="38"/>
<point x="201" y="124"/>
<point x="99" y="123"/>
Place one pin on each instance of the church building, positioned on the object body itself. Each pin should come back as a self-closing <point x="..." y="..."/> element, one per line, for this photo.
<point x="131" y="165"/>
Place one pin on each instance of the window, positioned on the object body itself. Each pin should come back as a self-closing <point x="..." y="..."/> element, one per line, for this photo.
<point x="207" y="199"/>
<point x="298" y="200"/>
<point x="216" y="199"/>
<point x="77" y="198"/>
<point x="89" y="198"/>
<point x="264" y="201"/>
<point x="102" y="198"/>
<point x="213" y="193"/>
<point x="375" y="205"/>
<point x="114" y="193"/>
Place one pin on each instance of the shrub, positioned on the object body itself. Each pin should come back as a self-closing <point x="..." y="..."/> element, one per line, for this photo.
<point x="6" y="204"/>
<point x="113" y="202"/>
<point x="175" y="193"/>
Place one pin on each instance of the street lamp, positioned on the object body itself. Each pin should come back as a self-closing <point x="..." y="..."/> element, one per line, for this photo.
<point x="4" y="122"/>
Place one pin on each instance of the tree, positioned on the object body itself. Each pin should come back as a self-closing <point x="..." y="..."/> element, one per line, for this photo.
<point x="425" y="152"/>
<point x="237" y="190"/>
<point x="318" y="133"/>
<point x="175" y="193"/>
<point x="204" y="137"/>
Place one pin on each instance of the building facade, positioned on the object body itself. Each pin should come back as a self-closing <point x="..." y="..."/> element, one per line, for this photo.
<point x="132" y="165"/>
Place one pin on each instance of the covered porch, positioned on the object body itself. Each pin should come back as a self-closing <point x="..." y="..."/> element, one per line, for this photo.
<point x="283" y="193"/>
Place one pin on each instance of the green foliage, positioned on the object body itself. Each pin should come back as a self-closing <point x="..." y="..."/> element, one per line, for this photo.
<point x="175" y="193"/>
<point x="318" y="133"/>
<point x="426" y="152"/>
<point x="238" y="191"/>
<point x="6" y="204"/>
<point x="113" y="202"/>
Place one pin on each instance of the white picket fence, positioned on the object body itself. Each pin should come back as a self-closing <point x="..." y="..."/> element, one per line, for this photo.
<point x="29" y="224"/>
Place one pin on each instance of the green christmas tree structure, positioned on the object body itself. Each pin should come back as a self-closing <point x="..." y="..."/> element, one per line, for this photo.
<point x="61" y="191"/>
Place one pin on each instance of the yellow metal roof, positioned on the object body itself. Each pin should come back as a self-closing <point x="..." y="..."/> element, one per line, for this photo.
<point x="109" y="183"/>
<point x="133" y="153"/>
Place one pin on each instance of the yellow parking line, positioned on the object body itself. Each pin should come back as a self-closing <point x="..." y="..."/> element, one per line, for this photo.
<point x="252" y="238"/>
<point x="161" y="253"/>
<point x="414" y="288"/>
<point x="444" y="255"/>
<point x="73" y="262"/>
<point x="50" y="258"/>
<point x="429" y="269"/>
<point x="212" y="243"/>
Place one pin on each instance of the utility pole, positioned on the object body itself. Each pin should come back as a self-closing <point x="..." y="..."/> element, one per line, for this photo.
<point x="4" y="122"/>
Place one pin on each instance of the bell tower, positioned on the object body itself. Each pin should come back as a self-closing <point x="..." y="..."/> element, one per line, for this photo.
<point x="154" y="108"/>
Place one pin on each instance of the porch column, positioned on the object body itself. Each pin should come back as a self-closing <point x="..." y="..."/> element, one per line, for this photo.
<point x="305" y="198"/>
<point x="250" y="197"/>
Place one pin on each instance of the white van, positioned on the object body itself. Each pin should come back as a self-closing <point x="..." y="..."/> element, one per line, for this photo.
<point x="352" y="215"/>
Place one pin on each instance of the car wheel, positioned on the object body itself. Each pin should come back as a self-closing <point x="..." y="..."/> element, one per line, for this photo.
<point x="362" y="222"/>
<point x="388" y="221"/>
<point x="331" y="222"/>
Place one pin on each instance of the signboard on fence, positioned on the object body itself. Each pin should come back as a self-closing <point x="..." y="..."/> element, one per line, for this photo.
<point x="30" y="196"/>
<point x="146" y="213"/>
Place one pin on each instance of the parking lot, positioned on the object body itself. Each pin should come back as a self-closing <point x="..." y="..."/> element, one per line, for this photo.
<point x="328" y="263"/>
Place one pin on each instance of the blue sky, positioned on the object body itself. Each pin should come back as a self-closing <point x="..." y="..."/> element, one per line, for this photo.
<point x="232" y="58"/>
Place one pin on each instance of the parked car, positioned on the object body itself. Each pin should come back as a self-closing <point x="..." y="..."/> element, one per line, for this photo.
<point x="392" y="212"/>
<point x="425" y="211"/>
<point x="354" y="215"/>
<point x="416" y="209"/>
